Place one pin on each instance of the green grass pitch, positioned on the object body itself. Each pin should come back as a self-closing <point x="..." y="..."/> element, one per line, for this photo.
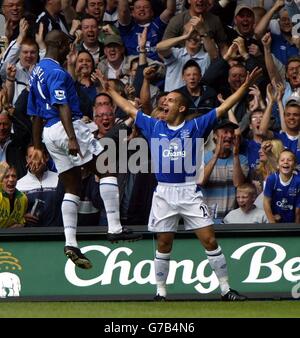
<point x="176" y="309"/>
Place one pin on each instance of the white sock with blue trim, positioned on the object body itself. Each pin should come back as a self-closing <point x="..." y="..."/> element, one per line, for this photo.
<point x="218" y="264"/>
<point x="161" y="266"/>
<point x="69" y="209"/>
<point x="109" y="192"/>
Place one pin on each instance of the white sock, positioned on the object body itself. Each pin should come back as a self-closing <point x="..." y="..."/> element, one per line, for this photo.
<point x="218" y="264"/>
<point x="161" y="265"/>
<point x="109" y="192"/>
<point x="69" y="209"/>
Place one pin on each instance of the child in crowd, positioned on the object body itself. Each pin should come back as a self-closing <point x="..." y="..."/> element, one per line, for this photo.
<point x="247" y="211"/>
<point x="282" y="191"/>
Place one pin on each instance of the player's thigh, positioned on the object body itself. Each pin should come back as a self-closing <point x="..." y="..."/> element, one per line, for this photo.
<point x="194" y="211"/>
<point x="71" y="180"/>
<point x="163" y="216"/>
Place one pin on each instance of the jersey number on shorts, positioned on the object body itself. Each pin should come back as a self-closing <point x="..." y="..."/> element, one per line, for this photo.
<point x="204" y="210"/>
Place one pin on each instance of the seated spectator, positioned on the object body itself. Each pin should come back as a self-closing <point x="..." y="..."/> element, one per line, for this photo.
<point x="200" y="48"/>
<point x="202" y="99"/>
<point x="247" y="211"/>
<point x="224" y="169"/>
<point x="42" y="185"/>
<point x="13" y="203"/>
<point x="131" y="24"/>
<point x="282" y="191"/>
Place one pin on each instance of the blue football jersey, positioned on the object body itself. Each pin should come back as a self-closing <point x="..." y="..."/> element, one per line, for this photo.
<point x="51" y="85"/>
<point x="176" y="152"/>
<point x="285" y="198"/>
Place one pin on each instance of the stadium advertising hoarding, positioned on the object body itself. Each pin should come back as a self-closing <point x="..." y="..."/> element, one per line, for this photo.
<point x="264" y="265"/>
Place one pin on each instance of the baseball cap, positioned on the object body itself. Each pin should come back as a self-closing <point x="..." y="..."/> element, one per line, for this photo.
<point x="222" y="123"/>
<point x="113" y="38"/>
<point x="240" y="7"/>
<point x="293" y="99"/>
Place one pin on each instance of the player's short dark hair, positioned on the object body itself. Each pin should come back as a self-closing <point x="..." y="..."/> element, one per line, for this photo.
<point x="183" y="101"/>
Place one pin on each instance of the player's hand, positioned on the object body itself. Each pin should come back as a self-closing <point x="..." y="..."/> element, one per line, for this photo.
<point x="74" y="148"/>
<point x="36" y="160"/>
<point x="253" y="76"/>
<point x="98" y="75"/>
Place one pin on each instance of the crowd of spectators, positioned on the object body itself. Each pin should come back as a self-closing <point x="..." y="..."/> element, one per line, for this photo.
<point x="147" y="48"/>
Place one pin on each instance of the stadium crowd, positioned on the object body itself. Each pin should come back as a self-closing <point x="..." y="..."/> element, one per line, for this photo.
<point x="203" y="49"/>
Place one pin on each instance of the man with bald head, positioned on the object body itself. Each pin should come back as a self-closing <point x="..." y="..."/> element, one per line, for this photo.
<point x="69" y="141"/>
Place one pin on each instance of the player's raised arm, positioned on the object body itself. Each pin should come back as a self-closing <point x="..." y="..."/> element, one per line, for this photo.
<point x="236" y="97"/>
<point x="120" y="101"/>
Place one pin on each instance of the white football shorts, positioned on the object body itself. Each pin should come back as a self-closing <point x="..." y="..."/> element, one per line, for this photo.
<point x="171" y="202"/>
<point x="56" y="141"/>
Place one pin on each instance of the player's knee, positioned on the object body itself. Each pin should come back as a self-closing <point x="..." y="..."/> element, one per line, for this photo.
<point x="210" y="243"/>
<point x="164" y="246"/>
